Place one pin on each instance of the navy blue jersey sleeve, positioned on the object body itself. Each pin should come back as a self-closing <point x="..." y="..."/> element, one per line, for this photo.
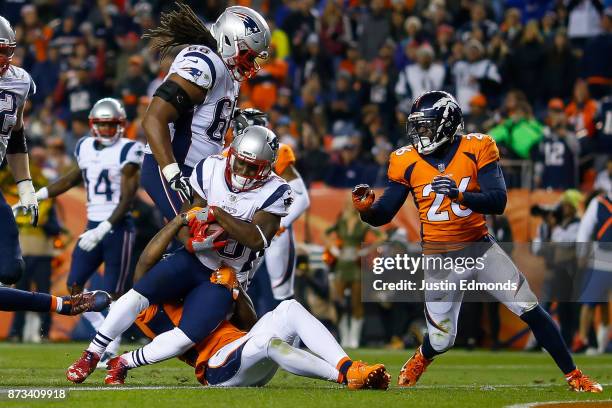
<point x="385" y="208"/>
<point x="492" y="197"/>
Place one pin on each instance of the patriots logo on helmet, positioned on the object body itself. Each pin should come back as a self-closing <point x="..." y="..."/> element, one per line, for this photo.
<point x="250" y="26"/>
<point x="273" y="143"/>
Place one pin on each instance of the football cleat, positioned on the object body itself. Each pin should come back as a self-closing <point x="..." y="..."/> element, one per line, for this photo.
<point x="581" y="383"/>
<point x="117" y="369"/>
<point x="413" y="369"/>
<point x="83" y="367"/>
<point x="95" y="301"/>
<point x="362" y="376"/>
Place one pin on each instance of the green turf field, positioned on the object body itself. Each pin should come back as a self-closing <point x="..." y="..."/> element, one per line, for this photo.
<point x="457" y="379"/>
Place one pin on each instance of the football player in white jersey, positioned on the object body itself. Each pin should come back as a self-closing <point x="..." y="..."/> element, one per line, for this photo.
<point x="245" y="352"/>
<point x="247" y="200"/>
<point x="280" y="259"/>
<point x="16" y="86"/>
<point x="190" y="111"/>
<point x="109" y="167"/>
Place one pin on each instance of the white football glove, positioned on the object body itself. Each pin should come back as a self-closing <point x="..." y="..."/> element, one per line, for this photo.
<point x="89" y="239"/>
<point x="28" y="202"/>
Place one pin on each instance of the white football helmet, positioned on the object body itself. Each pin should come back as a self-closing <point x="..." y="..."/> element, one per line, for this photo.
<point x="242" y="36"/>
<point x="107" y="121"/>
<point x="7" y="44"/>
<point x="251" y="158"/>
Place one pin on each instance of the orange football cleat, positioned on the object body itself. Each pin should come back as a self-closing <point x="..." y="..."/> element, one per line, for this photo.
<point x="362" y="376"/>
<point x="413" y="369"/>
<point x="581" y="383"/>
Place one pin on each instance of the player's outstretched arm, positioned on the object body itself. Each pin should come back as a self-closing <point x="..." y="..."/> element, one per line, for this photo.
<point x="381" y="211"/>
<point x="156" y="248"/>
<point x="130" y="180"/>
<point x="256" y="235"/>
<point x="73" y="178"/>
<point x="244" y="316"/>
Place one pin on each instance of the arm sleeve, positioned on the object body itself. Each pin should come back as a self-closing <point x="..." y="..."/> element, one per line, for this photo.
<point x="301" y="202"/>
<point x="195" y="66"/>
<point x="385" y="208"/>
<point x="132" y="152"/>
<point x="492" y="197"/>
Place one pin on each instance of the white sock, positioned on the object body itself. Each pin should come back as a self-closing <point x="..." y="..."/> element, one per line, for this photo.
<point x="300" y="362"/>
<point x="120" y="318"/>
<point x="312" y="332"/>
<point x="169" y="344"/>
<point x="343" y="328"/>
<point x="602" y="338"/>
<point x="355" y="332"/>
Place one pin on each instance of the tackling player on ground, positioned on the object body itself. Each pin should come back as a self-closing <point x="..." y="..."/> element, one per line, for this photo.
<point x="231" y="357"/>
<point x="454" y="181"/>
<point x="109" y="166"/>
<point x="246" y="199"/>
<point x="280" y="257"/>
<point x="191" y="111"/>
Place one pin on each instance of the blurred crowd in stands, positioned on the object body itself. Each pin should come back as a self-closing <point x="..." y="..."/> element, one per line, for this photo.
<point x="535" y="74"/>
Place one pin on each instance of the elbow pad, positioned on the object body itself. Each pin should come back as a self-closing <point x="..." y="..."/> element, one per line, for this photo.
<point x="17" y="142"/>
<point x="176" y="96"/>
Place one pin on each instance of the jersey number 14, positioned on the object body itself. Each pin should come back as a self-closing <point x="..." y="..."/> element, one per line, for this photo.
<point x="102" y="186"/>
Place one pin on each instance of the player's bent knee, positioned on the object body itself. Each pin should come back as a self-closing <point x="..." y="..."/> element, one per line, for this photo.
<point x="134" y="299"/>
<point x="276" y="345"/>
<point x="11" y="272"/>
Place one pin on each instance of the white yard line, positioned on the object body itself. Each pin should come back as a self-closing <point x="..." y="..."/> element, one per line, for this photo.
<point x="481" y="387"/>
<point x="534" y="404"/>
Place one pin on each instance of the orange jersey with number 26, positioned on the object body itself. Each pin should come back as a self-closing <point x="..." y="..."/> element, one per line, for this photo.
<point x="443" y="220"/>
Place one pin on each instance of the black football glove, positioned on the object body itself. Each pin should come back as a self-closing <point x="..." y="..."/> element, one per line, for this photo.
<point x="181" y="185"/>
<point x="445" y="185"/>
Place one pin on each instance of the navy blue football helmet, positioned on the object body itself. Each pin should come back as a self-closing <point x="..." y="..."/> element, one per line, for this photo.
<point x="435" y="118"/>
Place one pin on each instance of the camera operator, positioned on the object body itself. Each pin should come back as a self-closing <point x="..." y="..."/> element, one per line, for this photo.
<point x="559" y="227"/>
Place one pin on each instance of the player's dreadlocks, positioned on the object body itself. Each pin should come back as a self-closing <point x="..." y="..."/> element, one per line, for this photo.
<point x="179" y="27"/>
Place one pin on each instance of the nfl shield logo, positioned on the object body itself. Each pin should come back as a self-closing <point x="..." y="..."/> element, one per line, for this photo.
<point x="441" y="167"/>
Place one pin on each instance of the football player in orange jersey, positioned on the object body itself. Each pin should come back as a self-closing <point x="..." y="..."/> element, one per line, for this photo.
<point x="231" y="357"/>
<point x="454" y="181"/>
<point x="280" y="257"/>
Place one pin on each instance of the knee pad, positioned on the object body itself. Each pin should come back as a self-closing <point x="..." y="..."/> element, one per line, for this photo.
<point x="11" y="272"/>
